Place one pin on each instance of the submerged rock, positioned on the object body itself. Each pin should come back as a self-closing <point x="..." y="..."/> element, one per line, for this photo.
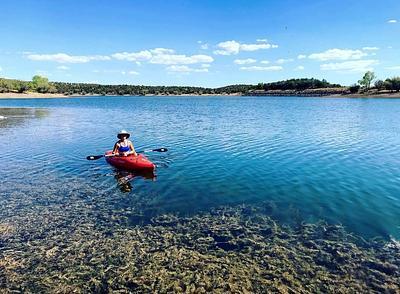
<point x="66" y="249"/>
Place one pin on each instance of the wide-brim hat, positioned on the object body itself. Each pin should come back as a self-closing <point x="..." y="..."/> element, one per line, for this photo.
<point x="123" y="132"/>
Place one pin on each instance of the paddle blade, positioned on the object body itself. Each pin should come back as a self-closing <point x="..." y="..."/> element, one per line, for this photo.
<point x="94" y="157"/>
<point x="160" y="150"/>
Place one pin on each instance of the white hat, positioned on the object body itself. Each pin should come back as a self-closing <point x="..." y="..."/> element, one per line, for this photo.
<point x="123" y="132"/>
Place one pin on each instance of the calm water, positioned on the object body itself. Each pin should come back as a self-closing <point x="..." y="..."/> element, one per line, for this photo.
<point x="309" y="158"/>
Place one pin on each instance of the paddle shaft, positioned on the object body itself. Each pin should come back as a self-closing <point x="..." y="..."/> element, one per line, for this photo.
<point x="95" y="157"/>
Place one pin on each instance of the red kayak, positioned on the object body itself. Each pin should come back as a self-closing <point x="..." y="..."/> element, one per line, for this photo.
<point x="130" y="162"/>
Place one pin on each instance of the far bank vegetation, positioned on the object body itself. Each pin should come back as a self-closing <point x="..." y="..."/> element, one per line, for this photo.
<point x="367" y="85"/>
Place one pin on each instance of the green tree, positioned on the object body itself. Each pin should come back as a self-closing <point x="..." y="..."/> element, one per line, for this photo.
<point x="40" y="84"/>
<point x="367" y="79"/>
<point x="5" y="86"/>
<point x="21" y="86"/>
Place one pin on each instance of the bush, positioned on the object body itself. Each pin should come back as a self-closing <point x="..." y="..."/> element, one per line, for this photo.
<point x="393" y="84"/>
<point x="354" y="88"/>
<point x="379" y="85"/>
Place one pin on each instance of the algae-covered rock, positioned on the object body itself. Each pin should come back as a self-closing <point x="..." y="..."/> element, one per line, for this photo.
<point x="75" y="248"/>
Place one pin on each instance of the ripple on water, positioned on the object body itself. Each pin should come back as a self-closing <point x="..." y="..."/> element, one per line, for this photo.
<point x="313" y="158"/>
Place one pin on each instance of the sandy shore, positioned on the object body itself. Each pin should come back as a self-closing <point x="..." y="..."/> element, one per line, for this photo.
<point x="40" y="95"/>
<point x="383" y="95"/>
<point x="30" y="95"/>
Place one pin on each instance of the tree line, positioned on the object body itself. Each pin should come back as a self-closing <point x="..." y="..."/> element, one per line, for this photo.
<point x="297" y="84"/>
<point x="43" y="85"/>
<point x="38" y="84"/>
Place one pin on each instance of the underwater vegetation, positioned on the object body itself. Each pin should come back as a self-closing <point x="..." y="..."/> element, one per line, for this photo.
<point x="77" y="246"/>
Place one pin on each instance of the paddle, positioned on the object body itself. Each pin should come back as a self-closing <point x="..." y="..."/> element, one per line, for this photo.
<point x="95" y="157"/>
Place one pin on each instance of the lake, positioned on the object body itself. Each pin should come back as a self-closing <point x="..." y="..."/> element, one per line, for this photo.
<point x="307" y="159"/>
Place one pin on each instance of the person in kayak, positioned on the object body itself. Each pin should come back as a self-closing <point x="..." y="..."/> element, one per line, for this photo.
<point x="124" y="147"/>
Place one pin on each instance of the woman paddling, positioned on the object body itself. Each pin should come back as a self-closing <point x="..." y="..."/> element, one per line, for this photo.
<point x="124" y="147"/>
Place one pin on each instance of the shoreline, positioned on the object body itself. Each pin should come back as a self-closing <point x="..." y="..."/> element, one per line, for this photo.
<point x="41" y="95"/>
<point x="379" y="95"/>
<point x="31" y="95"/>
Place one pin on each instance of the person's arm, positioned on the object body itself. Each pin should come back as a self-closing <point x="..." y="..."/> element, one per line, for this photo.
<point x="133" y="151"/>
<point x="115" y="150"/>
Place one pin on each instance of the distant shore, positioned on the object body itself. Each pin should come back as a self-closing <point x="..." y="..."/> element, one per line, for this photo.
<point x="13" y="95"/>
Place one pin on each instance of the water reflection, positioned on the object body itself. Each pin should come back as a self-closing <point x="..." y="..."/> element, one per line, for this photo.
<point x="125" y="178"/>
<point x="10" y="117"/>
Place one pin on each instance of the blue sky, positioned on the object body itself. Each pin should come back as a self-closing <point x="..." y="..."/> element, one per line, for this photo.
<point x="199" y="43"/>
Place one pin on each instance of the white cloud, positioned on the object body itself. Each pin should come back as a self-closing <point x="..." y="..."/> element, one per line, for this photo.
<point x="65" y="58"/>
<point x="254" y="47"/>
<point x="244" y="61"/>
<point x="396" y="67"/>
<point x="350" y="66"/>
<point x="370" y="48"/>
<point x="228" y="48"/>
<point x="115" y="71"/>
<point x="162" y="51"/>
<point x="392" y="21"/>
<point x="162" y="56"/>
<point x="262" y="68"/>
<point x="185" y="69"/>
<point x="265" y="62"/>
<point x="301" y="56"/>
<point x="203" y="46"/>
<point x="180" y="59"/>
<point x="133" y="56"/>
<point x="262" y="40"/>
<point x="206" y="65"/>
<point x="233" y="47"/>
<point x="338" y="54"/>
<point x="63" y="67"/>
<point x="300" y="67"/>
<point x="155" y="56"/>
<point x="1" y="69"/>
<point x="282" y="60"/>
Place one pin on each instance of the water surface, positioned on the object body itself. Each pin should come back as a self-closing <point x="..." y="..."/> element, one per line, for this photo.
<point x="309" y="158"/>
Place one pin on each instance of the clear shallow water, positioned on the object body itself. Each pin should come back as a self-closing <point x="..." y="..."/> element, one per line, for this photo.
<point x="310" y="158"/>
